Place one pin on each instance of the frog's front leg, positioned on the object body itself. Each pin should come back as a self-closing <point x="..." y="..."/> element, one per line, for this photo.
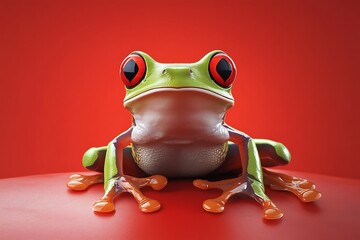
<point x="250" y="182"/>
<point x="95" y="158"/>
<point x="115" y="181"/>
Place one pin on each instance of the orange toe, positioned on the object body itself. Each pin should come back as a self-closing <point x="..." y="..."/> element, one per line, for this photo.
<point x="103" y="206"/>
<point x="150" y="206"/>
<point x="273" y="214"/>
<point x="202" y="184"/>
<point x="158" y="182"/>
<point x="76" y="185"/>
<point x="214" y="206"/>
<point x="310" y="196"/>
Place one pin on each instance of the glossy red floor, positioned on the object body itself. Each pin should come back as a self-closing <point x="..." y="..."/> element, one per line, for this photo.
<point x="41" y="207"/>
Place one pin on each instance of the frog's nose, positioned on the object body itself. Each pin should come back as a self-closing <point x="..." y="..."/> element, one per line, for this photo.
<point x="177" y="71"/>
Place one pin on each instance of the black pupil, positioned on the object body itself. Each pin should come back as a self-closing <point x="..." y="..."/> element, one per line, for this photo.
<point x="224" y="69"/>
<point x="130" y="69"/>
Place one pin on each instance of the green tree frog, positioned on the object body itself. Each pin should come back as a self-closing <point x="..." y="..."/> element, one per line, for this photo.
<point x="178" y="131"/>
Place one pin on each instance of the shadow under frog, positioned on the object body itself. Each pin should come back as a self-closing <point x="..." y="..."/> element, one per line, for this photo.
<point x="178" y="131"/>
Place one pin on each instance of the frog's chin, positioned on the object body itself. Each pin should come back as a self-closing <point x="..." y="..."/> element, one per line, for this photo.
<point x="229" y="102"/>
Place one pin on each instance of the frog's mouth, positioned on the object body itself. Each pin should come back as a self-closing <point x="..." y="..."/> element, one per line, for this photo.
<point x="229" y="102"/>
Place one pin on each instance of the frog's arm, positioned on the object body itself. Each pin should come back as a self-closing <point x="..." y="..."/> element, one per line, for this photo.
<point x="114" y="159"/>
<point x="115" y="181"/>
<point x="250" y="161"/>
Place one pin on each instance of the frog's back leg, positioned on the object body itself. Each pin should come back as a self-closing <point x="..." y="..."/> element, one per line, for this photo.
<point x="93" y="159"/>
<point x="272" y="153"/>
<point x="302" y="188"/>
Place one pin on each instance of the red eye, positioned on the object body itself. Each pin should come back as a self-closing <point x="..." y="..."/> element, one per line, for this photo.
<point x="222" y="69"/>
<point x="132" y="70"/>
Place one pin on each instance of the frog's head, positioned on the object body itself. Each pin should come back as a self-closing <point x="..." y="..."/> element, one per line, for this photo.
<point x="212" y="75"/>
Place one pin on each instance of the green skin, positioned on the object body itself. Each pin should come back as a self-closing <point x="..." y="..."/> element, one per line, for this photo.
<point x="154" y="79"/>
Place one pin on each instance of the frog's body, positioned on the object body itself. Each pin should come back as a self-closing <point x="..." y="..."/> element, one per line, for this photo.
<point x="179" y="131"/>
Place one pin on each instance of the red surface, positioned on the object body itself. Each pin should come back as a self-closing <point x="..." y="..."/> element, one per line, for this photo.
<point x="41" y="207"/>
<point x="60" y="93"/>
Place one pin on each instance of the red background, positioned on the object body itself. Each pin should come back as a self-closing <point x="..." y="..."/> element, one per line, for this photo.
<point x="298" y="74"/>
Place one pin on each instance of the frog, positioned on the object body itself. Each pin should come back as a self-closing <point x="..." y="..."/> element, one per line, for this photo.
<point x="178" y="130"/>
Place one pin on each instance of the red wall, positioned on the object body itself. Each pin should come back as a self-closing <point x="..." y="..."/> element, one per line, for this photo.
<point x="298" y="74"/>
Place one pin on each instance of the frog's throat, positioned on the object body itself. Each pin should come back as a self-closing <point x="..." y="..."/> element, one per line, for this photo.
<point x="227" y="100"/>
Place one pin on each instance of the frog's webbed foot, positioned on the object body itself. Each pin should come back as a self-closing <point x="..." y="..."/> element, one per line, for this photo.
<point x="302" y="188"/>
<point x="81" y="182"/>
<point x="233" y="186"/>
<point x="132" y="185"/>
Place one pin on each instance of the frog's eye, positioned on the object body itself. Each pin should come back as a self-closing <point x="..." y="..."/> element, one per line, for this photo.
<point x="132" y="70"/>
<point x="222" y="69"/>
